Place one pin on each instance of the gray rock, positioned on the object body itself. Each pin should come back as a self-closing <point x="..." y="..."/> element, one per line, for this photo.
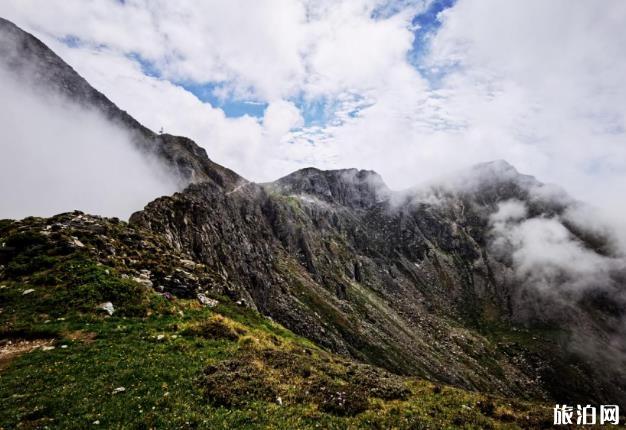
<point x="107" y="307"/>
<point x="146" y="282"/>
<point x="207" y="301"/>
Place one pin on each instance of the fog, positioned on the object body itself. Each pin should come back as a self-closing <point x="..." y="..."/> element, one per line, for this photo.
<point x="58" y="157"/>
<point x="564" y="261"/>
<point x="567" y="276"/>
<point x="546" y="255"/>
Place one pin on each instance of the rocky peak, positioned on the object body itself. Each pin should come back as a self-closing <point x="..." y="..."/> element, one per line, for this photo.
<point x="487" y="184"/>
<point x="490" y="183"/>
<point x="349" y="187"/>
<point x="500" y="171"/>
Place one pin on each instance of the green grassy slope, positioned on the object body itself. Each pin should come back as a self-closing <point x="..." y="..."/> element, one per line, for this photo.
<point x="163" y="362"/>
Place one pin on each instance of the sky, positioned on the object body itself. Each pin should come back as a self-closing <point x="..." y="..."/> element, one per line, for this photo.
<point x="413" y="89"/>
<point x="56" y="156"/>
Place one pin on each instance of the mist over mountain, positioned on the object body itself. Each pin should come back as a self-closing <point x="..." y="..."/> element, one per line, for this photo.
<point x="486" y="279"/>
<point x="66" y="145"/>
<point x="73" y="157"/>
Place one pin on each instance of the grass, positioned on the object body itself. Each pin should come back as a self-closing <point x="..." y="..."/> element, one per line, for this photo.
<point x="176" y="376"/>
<point x="182" y="365"/>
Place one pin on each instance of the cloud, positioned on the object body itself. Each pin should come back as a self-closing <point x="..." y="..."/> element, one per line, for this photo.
<point x="266" y="50"/>
<point x="545" y="254"/>
<point x="281" y="117"/>
<point x="310" y="53"/>
<point x="540" y="82"/>
<point x="537" y="84"/>
<point x="59" y="157"/>
<point x="560" y="275"/>
<point x="510" y="210"/>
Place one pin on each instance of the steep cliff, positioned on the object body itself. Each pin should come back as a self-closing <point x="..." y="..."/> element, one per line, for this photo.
<point x="409" y="281"/>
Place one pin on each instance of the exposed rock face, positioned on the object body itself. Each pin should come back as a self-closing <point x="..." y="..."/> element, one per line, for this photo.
<point x="408" y="281"/>
<point x="393" y="279"/>
<point x="29" y="59"/>
<point x="138" y="255"/>
<point x="349" y="187"/>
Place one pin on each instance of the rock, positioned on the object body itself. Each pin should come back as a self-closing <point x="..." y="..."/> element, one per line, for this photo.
<point x="96" y="422"/>
<point x="47" y="348"/>
<point x="161" y="337"/>
<point x="25" y="292"/>
<point x="206" y="301"/>
<point x="143" y="281"/>
<point x="107" y="307"/>
<point x="188" y="263"/>
<point x="77" y="243"/>
<point x="118" y="390"/>
<point x="186" y="275"/>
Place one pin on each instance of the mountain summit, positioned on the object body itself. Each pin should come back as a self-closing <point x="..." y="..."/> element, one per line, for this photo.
<point x="349" y="187"/>
<point x="483" y="281"/>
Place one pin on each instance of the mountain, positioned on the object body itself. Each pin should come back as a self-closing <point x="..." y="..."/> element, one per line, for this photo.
<point x="483" y="280"/>
<point x="90" y="336"/>
<point x="29" y="59"/>
<point x="398" y="280"/>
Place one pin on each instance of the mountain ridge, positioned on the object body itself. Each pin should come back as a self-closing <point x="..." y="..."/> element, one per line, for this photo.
<point x="30" y="59"/>
<point x="409" y="281"/>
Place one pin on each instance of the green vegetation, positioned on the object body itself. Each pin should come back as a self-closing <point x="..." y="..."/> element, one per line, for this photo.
<point x="227" y="367"/>
<point x="161" y="362"/>
<point x="177" y="377"/>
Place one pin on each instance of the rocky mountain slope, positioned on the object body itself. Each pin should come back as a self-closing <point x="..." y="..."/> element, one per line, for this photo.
<point x="442" y="282"/>
<point x="26" y="57"/>
<point x="91" y="336"/>
<point x="397" y="279"/>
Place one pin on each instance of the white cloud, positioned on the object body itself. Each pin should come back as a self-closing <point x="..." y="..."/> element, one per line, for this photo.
<point x="510" y="210"/>
<point x="543" y="78"/>
<point x="547" y="245"/>
<point x="265" y="51"/>
<point x="546" y="256"/>
<point x="58" y="157"/>
<point x="281" y="117"/>
<point x="536" y="83"/>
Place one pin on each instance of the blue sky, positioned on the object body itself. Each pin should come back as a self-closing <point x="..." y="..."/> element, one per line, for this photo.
<point x="317" y="111"/>
<point x="269" y="87"/>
